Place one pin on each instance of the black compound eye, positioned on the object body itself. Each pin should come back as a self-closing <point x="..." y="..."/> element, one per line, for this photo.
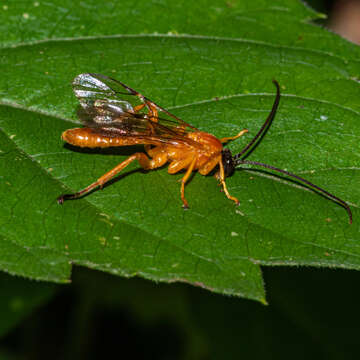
<point x="228" y="162"/>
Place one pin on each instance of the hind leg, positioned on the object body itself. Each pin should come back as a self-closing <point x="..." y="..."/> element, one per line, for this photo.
<point x="143" y="160"/>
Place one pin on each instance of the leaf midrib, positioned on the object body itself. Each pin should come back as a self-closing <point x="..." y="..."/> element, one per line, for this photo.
<point x="180" y="36"/>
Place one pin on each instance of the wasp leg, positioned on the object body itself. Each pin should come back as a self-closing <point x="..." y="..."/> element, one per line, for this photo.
<point x="153" y="112"/>
<point x="241" y="133"/>
<point x="222" y="181"/>
<point x="183" y="181"/>
<point x="153" y="116"/>
<point x="143" y="160"/>
<point x="137" y="108"/>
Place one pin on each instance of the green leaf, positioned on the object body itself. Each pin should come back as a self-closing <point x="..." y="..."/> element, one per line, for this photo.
<point x="210" y="63"/>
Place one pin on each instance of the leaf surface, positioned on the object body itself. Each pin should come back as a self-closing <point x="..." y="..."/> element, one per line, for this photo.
<point x="214" y="70"/>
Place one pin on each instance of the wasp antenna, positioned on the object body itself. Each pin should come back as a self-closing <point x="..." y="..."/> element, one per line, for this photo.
<point x="266" y="124"/>
<point x="329" y="195"/>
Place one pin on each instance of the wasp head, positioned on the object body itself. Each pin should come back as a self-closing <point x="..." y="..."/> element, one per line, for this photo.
<point x="228" y="162"/>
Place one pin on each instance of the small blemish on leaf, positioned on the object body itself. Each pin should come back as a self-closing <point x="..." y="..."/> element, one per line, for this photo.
<point x="321" y="118"/>
<point x="239" y="212"/>
<point x="107" y="222"/>
<point x="106" y="219"/>
<point x="12" y="136"/>
<point x="26" y="16"/>
<point x="327" y="254"/>
<point x="233" y="233"/>
<point x="102" y="240"/>
<point x="328" y="220"/>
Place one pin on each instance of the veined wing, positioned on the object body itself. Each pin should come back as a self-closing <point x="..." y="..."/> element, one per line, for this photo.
<point x="114" y="107"/>
<point x="102" y="95"/>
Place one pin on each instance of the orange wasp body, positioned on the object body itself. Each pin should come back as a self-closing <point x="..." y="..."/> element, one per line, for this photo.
<point x="112" y="119"/>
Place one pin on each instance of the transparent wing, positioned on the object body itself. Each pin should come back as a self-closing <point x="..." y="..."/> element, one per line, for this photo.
<point x="100" y="92"/>
<point x="100" y="100"/>
<point x="112" y="106"/>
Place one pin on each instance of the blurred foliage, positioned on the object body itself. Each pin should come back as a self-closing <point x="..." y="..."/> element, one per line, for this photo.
<point x="312" y="311"/>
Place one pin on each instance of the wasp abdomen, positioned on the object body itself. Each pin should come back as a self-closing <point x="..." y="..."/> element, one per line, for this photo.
<point x="88" y="137"/>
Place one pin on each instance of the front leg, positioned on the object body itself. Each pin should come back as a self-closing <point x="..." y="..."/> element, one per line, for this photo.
<point x="227" y="139"/>
<point x="221" y="177"/>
